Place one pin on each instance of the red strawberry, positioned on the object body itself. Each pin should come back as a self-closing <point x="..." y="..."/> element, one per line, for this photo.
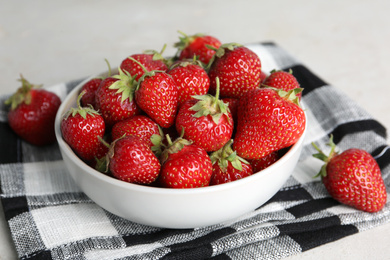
<point x="32" y="113"/>
<point x="206" y="121"/>
<point x="227" y="166"/>
<point x="280" y="79"/>
<point x="197" y="45"/>
<point x="268" y="120"/>
<point x="353" y="178"/>
<point x="140" y="125"/>
<point x="184" y="165"/>
<point x="264" y="162"/>
<point x="82" y="128"/>
<point x="157" y="96"/>
<point x="190" y="78"/>
<point x="90" y="87"/>
<point x="130" y="159"/>
<point x="115" y="98"/>
<point x="238" y="69"/>
<point x="151" y="60"/>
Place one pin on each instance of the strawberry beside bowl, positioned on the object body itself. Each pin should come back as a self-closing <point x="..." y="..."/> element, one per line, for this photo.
<point x="175" y="208"/>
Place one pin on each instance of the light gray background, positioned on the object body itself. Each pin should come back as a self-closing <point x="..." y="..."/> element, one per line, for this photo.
<point x="345" y="42"/>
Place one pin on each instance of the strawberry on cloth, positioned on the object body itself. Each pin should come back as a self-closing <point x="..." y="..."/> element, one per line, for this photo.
<point x="32" y="113"/>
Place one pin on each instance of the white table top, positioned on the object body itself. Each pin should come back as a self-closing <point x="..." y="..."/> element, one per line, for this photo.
<point x="345" y="42"/>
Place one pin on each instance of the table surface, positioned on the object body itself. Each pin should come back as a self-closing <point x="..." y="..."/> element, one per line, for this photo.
<point x="344" y="42"/>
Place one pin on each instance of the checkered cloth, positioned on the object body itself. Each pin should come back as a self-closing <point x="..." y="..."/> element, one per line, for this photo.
<point x="50" y="218"/>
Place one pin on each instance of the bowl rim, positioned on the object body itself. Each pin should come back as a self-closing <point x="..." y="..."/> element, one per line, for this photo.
<point x="160" y="190"/>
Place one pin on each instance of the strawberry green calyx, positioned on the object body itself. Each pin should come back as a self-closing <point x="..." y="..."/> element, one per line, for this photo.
<point x="173" y="147"/>
<point x="157" y="142"/>
<point x="275" y="70"/>
<point x="22" y="95"/>
<point x="289" y="95"/>
<point x="219" y="52"/>
<point x="146" y="74"/>
<point x="82" y="111"/>
<point x="185" y="40"/>
<point x="323" y="157"/>
<point x="101" y="164"/>
<point x="157" y="55"/>
<point x="210" y="105"/>
<point x="185" y="63"/>
<point x="125" y="85"/>
<point x="225" y="155"/>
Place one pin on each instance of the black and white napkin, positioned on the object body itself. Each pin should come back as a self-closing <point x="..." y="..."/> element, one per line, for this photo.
<point x="50" y="218"/>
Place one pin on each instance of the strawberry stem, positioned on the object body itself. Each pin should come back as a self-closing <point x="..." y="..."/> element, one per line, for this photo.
<point x="22" y="95"/>
<point x="109" y="68"/>
<point x="323" y="157"/>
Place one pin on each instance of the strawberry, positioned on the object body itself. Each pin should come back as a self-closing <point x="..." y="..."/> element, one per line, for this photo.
<point x="82" y="128"/>
<point x="140" y="125"/>
<point x="150" y="60"/>
<point x="130" y="159"/>
<point x="206" y="121"/>
<point x="184" y="165"/>
<point x="268" y="120"/>
<point x="32" y="113"/>
<point x="353" y="178"/>
<point x="89" y="88"/>
<point x="157" y="96"/>
<point x="115" y="98"/>
<point x="238" y="69"/>
<point x="280" y="79"/>
<point x="227" y="166"/>
<point x="264" y="162"/>
<point x="190" y="78"/>
<point x="197" y="45"/>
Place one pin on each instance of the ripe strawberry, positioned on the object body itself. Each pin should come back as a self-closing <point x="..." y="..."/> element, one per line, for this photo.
<point x="264" y="162"/>
<point x="140" y="125"/>
<point x="150" y="60"/>
<point x="280" y="79"/>
<point x="115" y="98"/>
<point x="228" y="166"/>
<point x="268" y="120"/>
<point x="353" y="178"/>
<point x="206" y="121"/>
<point x="32" y="113"/>
<point x="238" y="69"/>
<point x="90" y="87"/>
<point x="82" y="128"/>
<point x="157" y="96"/>
<point x="190" y="78"/>
<point x="197" y="45"/>
<point x="184" y="165"/>
<point x="130" y="159"/>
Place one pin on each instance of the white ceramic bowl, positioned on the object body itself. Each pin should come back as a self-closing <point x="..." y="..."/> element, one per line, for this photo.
<point x="175" y="208"/>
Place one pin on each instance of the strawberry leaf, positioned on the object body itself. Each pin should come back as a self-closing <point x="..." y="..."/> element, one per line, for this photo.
<point x="22" y="95"/>
<point x="125" y="85"/>
<point x="210" y="105"/>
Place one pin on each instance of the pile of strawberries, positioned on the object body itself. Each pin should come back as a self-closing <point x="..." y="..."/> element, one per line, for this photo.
<point x="207" y="116"/>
